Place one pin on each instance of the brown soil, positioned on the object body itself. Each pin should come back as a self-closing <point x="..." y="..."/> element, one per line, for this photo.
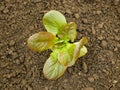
<point x="21" y="69"/>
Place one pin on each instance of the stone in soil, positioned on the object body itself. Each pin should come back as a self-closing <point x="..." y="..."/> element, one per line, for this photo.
<point x="100" y="25"/>
<point x="68" y="11"/>
<point x="77" y="16"/>
<point x="85" y="68"/>
<point x="87" y="88"/>
<point x="103" y="43"/>
<point x="90" y="79"/>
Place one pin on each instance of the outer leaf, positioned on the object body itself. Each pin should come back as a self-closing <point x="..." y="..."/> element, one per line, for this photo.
<point x="41" y="41"/>
<point x="52" y="68"/>
<point x="54" y="21"/>
<point x="83" y="51"/>
<point x="79" y="45"/>
<point x="68" y="32"/>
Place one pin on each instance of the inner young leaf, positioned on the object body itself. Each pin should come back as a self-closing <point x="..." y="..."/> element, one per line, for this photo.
<point x="68" y="32"/>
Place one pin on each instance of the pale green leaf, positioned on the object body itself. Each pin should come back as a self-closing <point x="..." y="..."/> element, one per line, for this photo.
<point x="54" y="21"/>
<point x="41" y="41"/>
<point x="53" y="69"/>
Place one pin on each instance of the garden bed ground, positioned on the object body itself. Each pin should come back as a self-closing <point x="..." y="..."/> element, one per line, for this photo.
<point x="98" y="20"/>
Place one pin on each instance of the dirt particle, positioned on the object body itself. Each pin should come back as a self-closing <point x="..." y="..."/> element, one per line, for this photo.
<point x="93" y="29"/>
<point x="100" y="25"/>
<point x="29" y="88"/>
<point x="103" y="43"/>
<point x="116" y="2"/>
<point x="70" y="70"/>
<point x="90" y="79"/>
<point x="118" y="45"/>
<point x="46" y="88"/>
<point x="12" y="42"/>
<point x="114" y="81"/>
<point x="5" y="10"/>
<point x="98" y="12"/>
<point x="24" y="82"/>
<point x="87" y="88"/>
<point x="84" y="20"/>
<point x="17" y="61"/>
<point x="2" y="8"/>
<point x="85" y="68"/>
<point x="36" y="1"/>
<point x="115" y="49"/>
<point x="100" y="37"/>
<point x="117" y="38"/>
<point x="118" y="10"/>
<point x="105" y="71"/>
<point x="95" y="76"/>
<point x="68" y="11"/>
<point x="77" y="15"/>
<point x="14" y="55"/>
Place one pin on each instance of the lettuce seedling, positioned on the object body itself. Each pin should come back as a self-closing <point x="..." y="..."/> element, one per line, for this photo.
<point x="59" y="38"/>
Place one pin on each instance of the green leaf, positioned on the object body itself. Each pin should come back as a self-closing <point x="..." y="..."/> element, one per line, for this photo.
<point x="78" y="47"/>
<point x="41" y="41"/>
<point x="70" y="50"/>
<point x="54" y="21"/>
<point x="53" y="69"/>
<point x="68" y="32"/>
<point x="83" y="51"/>
<point x="64" y="57"/>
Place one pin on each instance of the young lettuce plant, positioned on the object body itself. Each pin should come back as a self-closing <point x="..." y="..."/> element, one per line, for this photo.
<point x="59" y="38"/>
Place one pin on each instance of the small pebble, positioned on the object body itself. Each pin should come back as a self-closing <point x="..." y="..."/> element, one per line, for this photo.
<point x="93" y="29"/>
<point x="115" y="81"/>
<point x="68" y="11"/>
<point x="77" y="16"/>
<point x="36" y="1"/>
<point x="117" y="38"/>
<point x="98" y="12"/>
<point x="118" y="45"/>
<point x="14" y="55"/>
<point x="2" y="8"/>
<point x="105" y="71"/>
<point x="118" y="10"/>
<point x="95" y="76"/>
<point x="24" y="82"/>
<point x="100" y="37"/>
<point x="84" y="20"/>
<point x="12" y="42"/>
<point x="100" y="25"/>
<point x="29" y="88"/>
<point x="115" y="49"/>
<point x="17" y="61"/>
<point x="46" y="88"/>
<point x="87" y="88"/>
<point x="91" y="79"/>
<point x="116" y="2"/>
<point x="5" y="10"/>
<point x="85" y="68"/>
<point x="103" y="43"/>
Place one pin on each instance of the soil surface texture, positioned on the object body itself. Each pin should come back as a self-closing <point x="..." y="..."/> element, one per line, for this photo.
<point x="98" y="20"/>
